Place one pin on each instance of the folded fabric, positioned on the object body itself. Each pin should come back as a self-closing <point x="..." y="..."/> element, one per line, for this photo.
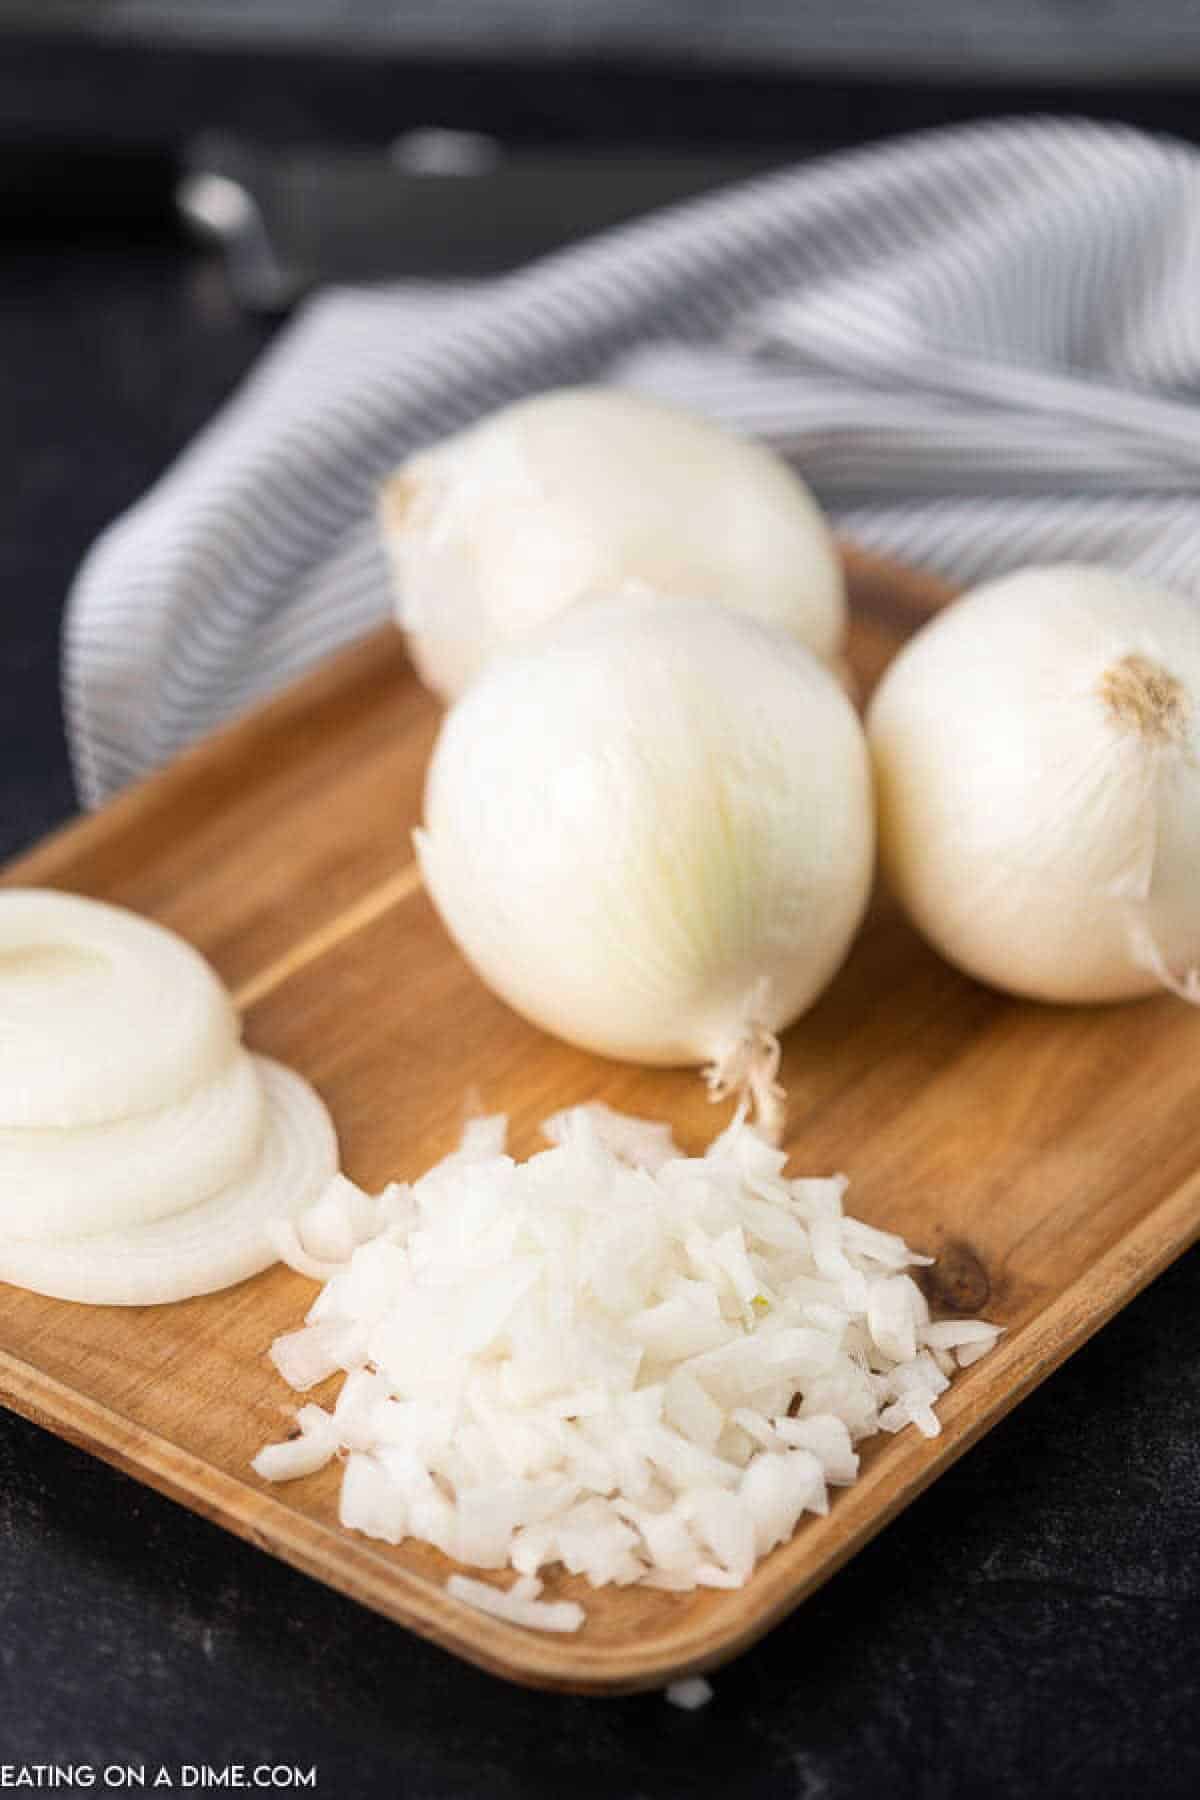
<point x="981" y="346"/>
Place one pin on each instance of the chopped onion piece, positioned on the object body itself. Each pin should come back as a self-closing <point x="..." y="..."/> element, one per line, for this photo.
<point x="541" y="1615"/>
<point x="828" y="1439"/>
<point x="968" y="1338"/>
<point x="309" y="1356"/>
<point x="342" y="1218"/>
<point x="646" y="1143"/>
<point x="690" y="1694"/>
<point x="483" y="1136"/>
<point x="369" y="1500"/>
<point x="971" y="1353"/>
<point x="309" y="1450"/>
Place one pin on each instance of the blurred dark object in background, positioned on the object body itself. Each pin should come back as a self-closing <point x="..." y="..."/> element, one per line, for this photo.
<point x="1089" y="40"/>
<point x="586" y="114"/>
<point x="535" y="71"/>
<point x="435" y="205"/>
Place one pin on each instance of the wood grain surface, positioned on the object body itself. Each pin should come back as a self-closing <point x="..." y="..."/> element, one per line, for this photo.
<point x="1048" y="1156"/>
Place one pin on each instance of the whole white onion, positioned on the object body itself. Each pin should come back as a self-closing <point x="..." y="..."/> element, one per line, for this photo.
<point x="650" y="830"/>
<point x="1036" y="752"/>
<point x="577" y="491"/>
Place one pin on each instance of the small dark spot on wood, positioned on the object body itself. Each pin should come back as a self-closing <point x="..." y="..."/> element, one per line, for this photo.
<point x="958" y="1281"/>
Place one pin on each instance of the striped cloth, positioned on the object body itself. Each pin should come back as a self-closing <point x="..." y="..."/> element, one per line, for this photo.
<point x="981" y="346"/>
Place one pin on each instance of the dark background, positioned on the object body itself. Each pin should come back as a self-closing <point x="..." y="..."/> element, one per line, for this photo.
<point x="1032" y="1625"/>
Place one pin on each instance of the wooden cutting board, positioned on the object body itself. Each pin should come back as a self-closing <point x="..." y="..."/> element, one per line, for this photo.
<point x="1050" y="1157"/>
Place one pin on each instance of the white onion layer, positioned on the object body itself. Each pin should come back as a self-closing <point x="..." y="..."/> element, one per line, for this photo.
<point x="221" y="1240"/>
<point x="651" y="829"/>
<point x="576" y="491"/>
<point x="102" y="1013"/>
<point x="131" y="1170"/>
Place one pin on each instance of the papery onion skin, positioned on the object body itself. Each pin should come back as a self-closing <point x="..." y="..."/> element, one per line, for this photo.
<point x="1036" y="757"/>
<point x="576" y="491"/>
<point x="640" y="816"/>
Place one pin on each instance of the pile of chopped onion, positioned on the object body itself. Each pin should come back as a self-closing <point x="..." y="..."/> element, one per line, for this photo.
<point x="638" y="1365"/>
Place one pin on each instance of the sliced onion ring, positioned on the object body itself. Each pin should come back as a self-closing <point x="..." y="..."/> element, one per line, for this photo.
<point x="212" y="1245"/>
<point x="57" y="1184"/>
<point x="102" y="1013"/>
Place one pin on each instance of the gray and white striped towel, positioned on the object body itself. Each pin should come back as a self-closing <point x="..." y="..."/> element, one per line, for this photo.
<point x="980" y="345"/>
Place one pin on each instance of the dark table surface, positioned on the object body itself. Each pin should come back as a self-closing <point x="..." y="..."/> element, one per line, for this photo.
<point x="1030" y="1627"/>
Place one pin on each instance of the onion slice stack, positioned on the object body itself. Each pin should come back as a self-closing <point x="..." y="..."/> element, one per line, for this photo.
<point x="143" y="1149"/>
